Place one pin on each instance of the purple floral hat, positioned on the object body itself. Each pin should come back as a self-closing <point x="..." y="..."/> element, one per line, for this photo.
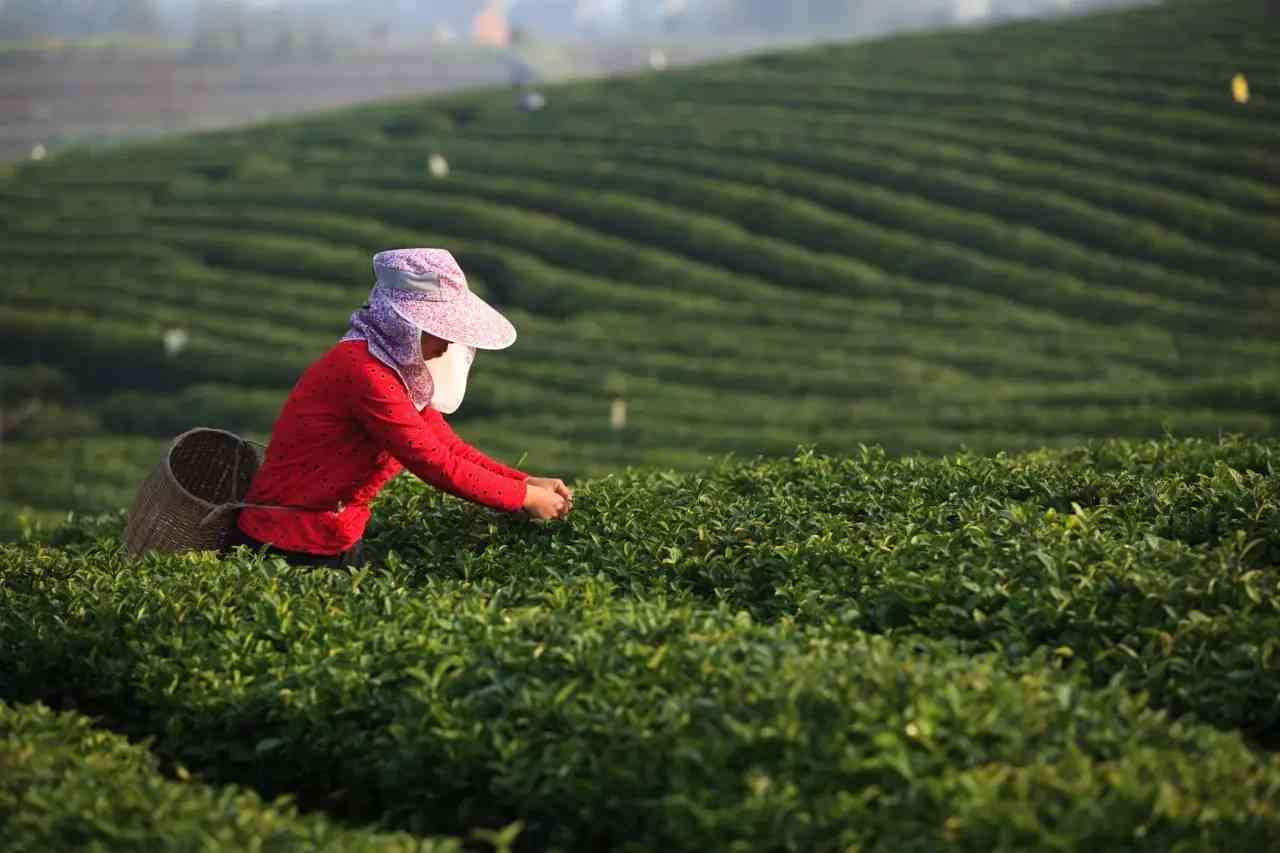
<point x="424" y="290"/>
<point x="431" y="293"/>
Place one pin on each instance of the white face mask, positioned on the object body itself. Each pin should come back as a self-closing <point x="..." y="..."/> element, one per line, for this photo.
<point x="449" y="377"/>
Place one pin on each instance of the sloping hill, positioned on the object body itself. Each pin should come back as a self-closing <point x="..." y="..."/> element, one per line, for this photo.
<point x="1003" y="239"/>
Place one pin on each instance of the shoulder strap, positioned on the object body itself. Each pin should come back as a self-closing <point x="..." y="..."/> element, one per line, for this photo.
<point x="226" y="507"/>
<point x="233" y="504"/>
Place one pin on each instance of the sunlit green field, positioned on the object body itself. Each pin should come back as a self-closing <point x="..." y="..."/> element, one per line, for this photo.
<point x="986" y="322"/>
<point x="1006" y="239"/>
<point x="1071" y="650"/>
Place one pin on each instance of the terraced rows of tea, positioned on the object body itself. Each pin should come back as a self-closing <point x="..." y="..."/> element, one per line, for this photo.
<point x="1002" y="239"/>
<point x="1062" y="650"/>
<point x="1020" y="240"/>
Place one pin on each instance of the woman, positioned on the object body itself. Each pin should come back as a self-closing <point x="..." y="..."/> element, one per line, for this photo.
<point x="372" y="405"/>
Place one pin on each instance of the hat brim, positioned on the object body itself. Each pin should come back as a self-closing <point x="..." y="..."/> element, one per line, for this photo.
<point x="467" y="320"/>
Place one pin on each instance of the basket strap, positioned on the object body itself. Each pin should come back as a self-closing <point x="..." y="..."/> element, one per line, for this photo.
<point x="230" y="505"/>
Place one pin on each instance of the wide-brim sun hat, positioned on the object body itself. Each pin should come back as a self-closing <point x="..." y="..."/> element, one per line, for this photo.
<point x="431" y="293"/>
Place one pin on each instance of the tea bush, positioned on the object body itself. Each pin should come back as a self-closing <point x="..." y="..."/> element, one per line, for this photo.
<point x="65" y="785"/>
<point x="630" y="725"/>
<point x="1002" y="241"/>
<point x="1151" y="560"/>
<point x="691" y="661"/>
<point x="616" y="166"/>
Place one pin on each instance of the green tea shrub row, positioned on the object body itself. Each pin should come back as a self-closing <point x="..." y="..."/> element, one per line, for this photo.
<point x="791" y="135"/>
<point x="1200" y="94"/>
<point x="1247" y="173"/>
<point x="232" y="408"/>
<point x="561" y="242"/>
<point x="873" y="204"/>
<point x="1231" y="131"/>
<point x="1227" y="129"/>
<point x="66" y="785"/>
<point x="527" y="274"/>
<point x="277" y="256"/>
<point x="963" y="184"/>
<point x="620" y="99"/>
<point x="510" y="278"/>
<point x="1211" y="223"/>
<point x="87" y="474"/>
<point x="1245" y="165"/>
<point x="610" y="717"/>
<point x="561" y="296"/>
<point x="33" y="381"/>
<point x="204" y="313"/>
<point x="636" y="265"/>
<point x="108" y="354"/>
<point x="1152" y="560"/>
<point x="806" y="226"/>
<point x="895" y="251"/>
<point x="706" y="237"/>
<point x="516" y="280"/>
<point x="245" y="306"/>
<point x="1248" y="193"/>
<point x="530" y="232"/>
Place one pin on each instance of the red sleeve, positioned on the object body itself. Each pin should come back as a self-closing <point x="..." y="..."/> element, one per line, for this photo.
<point x="378" y="400"/>
<point x="436" y="421"/>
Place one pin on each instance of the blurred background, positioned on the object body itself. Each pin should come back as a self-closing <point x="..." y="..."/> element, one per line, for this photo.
<point x="94" y="71"/>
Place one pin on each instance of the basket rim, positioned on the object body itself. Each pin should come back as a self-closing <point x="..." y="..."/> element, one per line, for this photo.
<point x="173" y="478"/>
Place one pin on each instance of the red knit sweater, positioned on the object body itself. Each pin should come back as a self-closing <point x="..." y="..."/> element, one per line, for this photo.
<point x="345" y="430"/>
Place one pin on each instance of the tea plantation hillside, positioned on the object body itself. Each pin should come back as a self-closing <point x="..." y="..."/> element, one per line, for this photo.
<point x="1001" y="239"/>
<point x="1067" y="650"/>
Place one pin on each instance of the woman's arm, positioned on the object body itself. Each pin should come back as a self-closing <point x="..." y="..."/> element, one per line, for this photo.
<point x="436" y="421"/>
<point x="467" y="451"/>
<point x="381" y="405"/>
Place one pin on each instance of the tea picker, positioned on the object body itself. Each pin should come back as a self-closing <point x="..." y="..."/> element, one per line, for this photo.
<point x="370" y="406"/>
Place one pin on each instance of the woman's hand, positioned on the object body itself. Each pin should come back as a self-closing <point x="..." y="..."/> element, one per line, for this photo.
<point x="543" y="503"/>
<point x="556" y="486"/>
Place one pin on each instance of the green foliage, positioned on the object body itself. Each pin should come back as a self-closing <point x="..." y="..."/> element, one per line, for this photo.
<point x="225" y="407"/>
<point x="86" y="475"/>
<point x="33" y="382"/>
<point x="691" y="663"/>
<point x="65" y="785"/>
<point x="1151" y="560"/>
<point x="1010" y="239"/>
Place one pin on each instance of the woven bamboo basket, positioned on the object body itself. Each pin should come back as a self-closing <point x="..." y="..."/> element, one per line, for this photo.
<point x="188" y="500"/>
